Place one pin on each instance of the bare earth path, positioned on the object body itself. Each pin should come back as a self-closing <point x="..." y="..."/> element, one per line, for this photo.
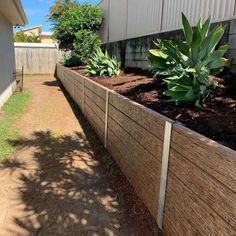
<point x="54" y="184"/>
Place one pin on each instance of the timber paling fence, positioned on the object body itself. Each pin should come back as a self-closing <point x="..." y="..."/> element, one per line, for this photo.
<point x="187" y="181"/>
<point x="37" y="58"/>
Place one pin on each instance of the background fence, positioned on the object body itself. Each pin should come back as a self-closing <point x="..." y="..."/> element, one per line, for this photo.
<point x="200" y="194"/>
<point x="37" y="58"/>
<point x="126" y="19"/>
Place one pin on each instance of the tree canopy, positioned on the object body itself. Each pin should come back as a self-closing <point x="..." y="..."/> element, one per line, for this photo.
<point x="86" y="17"/>
<point x="59" y="7"/>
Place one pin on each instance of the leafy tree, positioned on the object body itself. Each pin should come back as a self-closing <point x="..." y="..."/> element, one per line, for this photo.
<point x="59" y="7"/>
<point x="20" y="36"/>
<point x="85" y="17"/>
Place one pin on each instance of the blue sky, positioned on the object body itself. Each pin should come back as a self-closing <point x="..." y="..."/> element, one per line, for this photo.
<point x="37" y="11"/>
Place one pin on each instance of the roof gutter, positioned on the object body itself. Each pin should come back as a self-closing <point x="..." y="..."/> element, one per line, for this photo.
<point x="21" y="11"/>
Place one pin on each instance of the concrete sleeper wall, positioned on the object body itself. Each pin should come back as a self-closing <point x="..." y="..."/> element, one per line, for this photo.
<point x="200" y="195"/>
<point x="133" y="53"/>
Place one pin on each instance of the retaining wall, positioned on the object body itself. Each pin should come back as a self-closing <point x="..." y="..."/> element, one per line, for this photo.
<point x="187" y="181"/>
<point x="133" y="53"/>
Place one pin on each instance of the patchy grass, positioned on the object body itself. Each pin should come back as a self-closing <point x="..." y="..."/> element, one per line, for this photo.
<point x="10" y="113"/>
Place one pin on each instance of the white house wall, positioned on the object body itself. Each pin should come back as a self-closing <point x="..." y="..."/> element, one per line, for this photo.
<point x="134" y="18"/>
<point x="219" y="9"/>
<point x="144" y="17"/>
<point x="117" y="20"/>
<point x="7" y="63"/>
<point x="104" y="28"/>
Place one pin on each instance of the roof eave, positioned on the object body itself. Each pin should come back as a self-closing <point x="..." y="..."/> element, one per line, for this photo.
<point x="21" y="12"/>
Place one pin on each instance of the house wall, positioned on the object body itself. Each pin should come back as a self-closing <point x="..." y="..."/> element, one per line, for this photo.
<point x="130" y="27"/>
<point x="46" y="39"/>
<point x="7" y="64"/>
<point x="126" y="19"/>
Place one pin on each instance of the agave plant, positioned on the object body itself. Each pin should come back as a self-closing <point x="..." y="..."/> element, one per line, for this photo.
<point x="186" y="65"/>
<point x="101" y="64"/>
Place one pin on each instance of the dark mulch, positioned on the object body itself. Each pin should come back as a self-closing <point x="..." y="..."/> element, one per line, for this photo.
<point x="216" y="120"/>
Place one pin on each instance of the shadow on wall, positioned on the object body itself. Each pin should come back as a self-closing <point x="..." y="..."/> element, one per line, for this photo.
<point x="66" y="191"/>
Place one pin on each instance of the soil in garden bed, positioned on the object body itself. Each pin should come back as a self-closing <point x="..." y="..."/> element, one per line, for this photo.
<point x="216" y="120"/>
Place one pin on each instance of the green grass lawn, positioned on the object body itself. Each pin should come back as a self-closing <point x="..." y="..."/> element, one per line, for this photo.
<point x="10" y="113"/>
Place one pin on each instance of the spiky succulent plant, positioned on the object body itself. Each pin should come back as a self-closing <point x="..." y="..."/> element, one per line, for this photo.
<point x="101" y="64"/>
<point x="186" y="65"/>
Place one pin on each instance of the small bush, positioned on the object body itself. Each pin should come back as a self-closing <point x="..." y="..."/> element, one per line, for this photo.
<point x="70" y="60"/>
<point x="85" y="43"/>
<point x="186" y="65"/>
<point x="101" y="64"/>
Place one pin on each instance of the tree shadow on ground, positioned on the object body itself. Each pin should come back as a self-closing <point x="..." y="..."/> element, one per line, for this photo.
<point x="70" y="186"/>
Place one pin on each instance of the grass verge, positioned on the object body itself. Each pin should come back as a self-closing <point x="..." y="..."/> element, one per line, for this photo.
<point x="9" y="114"/>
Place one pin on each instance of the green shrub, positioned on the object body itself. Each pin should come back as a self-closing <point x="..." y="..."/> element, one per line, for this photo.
<point x="70" y="60"/>
<point x="186" y="65"/>
<point x="20" y="36"/>
<point x="101" y="64"/>
<point x="77" y="18"/>
<point x="85" y="43"/>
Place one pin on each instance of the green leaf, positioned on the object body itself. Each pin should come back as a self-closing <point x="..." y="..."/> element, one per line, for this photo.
<point x="109" y="71"/>
<point x="215" y="56"/>
<point x="187" y="29"/>
<point x="216" y="36"/>
<point x="218" y="64"/>
<point x="158" y="62"/>
<point x="158" y="53"/>
<point x="183" y="47"/>
<point x="224" y="47"/>
<point x="178" y="89"/>
<point x="190" y="96"/>
<point x="176" y="96"/>
<point x="196" y="44"/>
<point x="205" y="27"/>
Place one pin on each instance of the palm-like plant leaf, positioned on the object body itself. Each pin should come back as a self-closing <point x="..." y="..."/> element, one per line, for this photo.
<point x="187" y="64"/>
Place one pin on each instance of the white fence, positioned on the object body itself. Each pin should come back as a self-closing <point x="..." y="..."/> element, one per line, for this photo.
<point x="37" y="58"/>
<point x="133" y="18"/>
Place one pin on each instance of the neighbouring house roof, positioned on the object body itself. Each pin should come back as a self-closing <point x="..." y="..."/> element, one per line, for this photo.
<point x="40" y="27"/>
<point x="13" y="11"/>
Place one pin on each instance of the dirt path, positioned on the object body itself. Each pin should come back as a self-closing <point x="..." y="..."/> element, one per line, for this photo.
<point x="55" y="183"/>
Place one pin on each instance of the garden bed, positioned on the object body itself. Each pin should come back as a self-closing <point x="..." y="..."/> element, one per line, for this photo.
<point x="210" y="120"/>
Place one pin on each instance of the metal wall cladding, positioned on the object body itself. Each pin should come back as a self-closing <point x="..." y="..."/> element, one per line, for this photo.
<point x="117" y="20"/>
<point x="219" y="9"/>
<point x="144" y="17"/>
<point x="103" y="32"/>
<point x="135" y="18"/>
